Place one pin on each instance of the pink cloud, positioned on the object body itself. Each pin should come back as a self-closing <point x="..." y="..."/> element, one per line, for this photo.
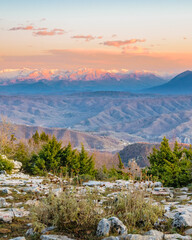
<point x="86" y="37"/>
<point x="45" y="32"/>
<point x="135" y="49"/>
<point x="40" y="31"/>
<point x="29" y="27"/>
<point x="120" y="43"/>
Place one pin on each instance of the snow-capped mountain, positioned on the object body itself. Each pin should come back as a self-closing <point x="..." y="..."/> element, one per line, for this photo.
<point x="54" y="80"/>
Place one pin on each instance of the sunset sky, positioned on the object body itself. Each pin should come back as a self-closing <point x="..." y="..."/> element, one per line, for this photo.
<point x="150" y="35"/>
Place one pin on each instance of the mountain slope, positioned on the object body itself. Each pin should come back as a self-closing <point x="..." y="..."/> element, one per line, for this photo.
<point x="91" y="142"/>
<point x="181" y="84"/>
<point x="130" y="117"/>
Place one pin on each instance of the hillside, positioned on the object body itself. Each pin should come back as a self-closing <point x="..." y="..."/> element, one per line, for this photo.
<point x="90" y="141"/>
<point x="129" y="117"/>
<point x="137" y="151"/>
<point x="181" y="84"/>
<point x="140" y="152"/>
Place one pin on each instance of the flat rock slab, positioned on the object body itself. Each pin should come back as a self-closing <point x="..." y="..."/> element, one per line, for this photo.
<point x="54" y="237"/>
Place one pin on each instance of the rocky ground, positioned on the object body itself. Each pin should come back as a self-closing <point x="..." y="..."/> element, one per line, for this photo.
<point x="18" y="192"/>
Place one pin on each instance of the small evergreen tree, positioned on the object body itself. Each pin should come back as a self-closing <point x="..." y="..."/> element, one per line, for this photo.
<point x="69" y="160"/>
<point x="120" y="165"/>
<point x="86" y="162"/>
<point x="44" y="137"/>
<point x="49" y="154"/>
<point x="173" y="167"/>
<point x="36" y="137"/>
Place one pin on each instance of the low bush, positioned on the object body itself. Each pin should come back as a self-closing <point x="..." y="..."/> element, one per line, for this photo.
<point x="68" y="212"/>
<point x="80" y="214"/>
<point x="135" y="211"/>
<point x="6" y="164"/>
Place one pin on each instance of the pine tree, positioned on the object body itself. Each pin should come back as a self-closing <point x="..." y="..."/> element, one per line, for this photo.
<point x="120" y="165"/>
<point x="50" y="154"/>
<point x="36" y="137"/>
<point x="86" y="162"/>
<point x="173" y="167"/>
<point x="44" y="137"/>
<point x="69" y="160"/>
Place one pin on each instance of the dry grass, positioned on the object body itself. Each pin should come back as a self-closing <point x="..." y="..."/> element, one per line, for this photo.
<point x="80" y="214"/>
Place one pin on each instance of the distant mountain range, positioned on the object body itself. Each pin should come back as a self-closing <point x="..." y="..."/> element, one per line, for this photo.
<point x="121" y="115"/>
<point x="28" y="81"/>
<point x="181" y="84"/>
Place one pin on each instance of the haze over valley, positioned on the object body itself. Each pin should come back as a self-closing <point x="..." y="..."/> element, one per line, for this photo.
<point x="140" y="116"/>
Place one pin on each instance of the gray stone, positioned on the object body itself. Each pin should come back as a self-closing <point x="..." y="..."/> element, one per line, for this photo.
<point x="18" y="238"/>
<point x="111" y="238"/>
<point x="17" y="166"/>
<point x="176" y="236"/>
<point x="157" y="234"/>
<point x="157" y="184"/>
<point x="47" y="229"/>
<point x="3" y="202"/>
<point x="117" y="226"/>
<point x="188" y="231"/>
<point x="6" y="216"/>
<point x="6" y="191"/>
<point x="103" y="228"/>
<point x="30" y="232"/>
<point x="2" y="172"/>
<point x="183" y="218"/>
<point x="54" y="237"/>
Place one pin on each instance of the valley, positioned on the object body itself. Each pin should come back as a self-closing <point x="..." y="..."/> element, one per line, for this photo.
<point x="120" y="115"/>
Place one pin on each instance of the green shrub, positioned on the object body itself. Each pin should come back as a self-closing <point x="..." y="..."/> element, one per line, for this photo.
<point x="78" y="214"/>
<point x="135" y="211"/>
<point x="6" y="164"/>
<point x="67" y="212"/>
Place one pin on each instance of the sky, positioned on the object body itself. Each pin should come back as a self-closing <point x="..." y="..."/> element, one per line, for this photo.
<point x="139" y="35"/>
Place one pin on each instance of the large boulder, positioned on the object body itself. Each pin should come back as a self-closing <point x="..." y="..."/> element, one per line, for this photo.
<point x="103" y="228"/>
<point x="183" y="217"/>
<point x="17" y="166"/>
<point x="117" y="226"/>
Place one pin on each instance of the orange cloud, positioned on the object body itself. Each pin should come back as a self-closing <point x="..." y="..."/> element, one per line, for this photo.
<point x="100" y="59"/>
<point x="45" y="32"/>
<point x="40" y="31"/>
<point x="86" y="37"/>
<point x="29" y="27"/>
<point x="135" y="49"/>
<point x="120" y="43"/>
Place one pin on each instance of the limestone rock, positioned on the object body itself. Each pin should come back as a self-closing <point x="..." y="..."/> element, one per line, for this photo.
<point x="183" y="218"/>
<point x="188" y="231"/>
<point x="157" y="234"/>
<point x="117" y="226"/>
<point x="3" y="202"/>
<point x="18" y="238"/>
<point x="103" y="228"/>
<point x="17" y="166"/>
<point x="176" y="236"/>
<point x="30" y="232"/>
<point x="54" y="237"/>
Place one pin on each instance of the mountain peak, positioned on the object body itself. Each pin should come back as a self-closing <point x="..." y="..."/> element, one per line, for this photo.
<point x="180" y="84"/>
